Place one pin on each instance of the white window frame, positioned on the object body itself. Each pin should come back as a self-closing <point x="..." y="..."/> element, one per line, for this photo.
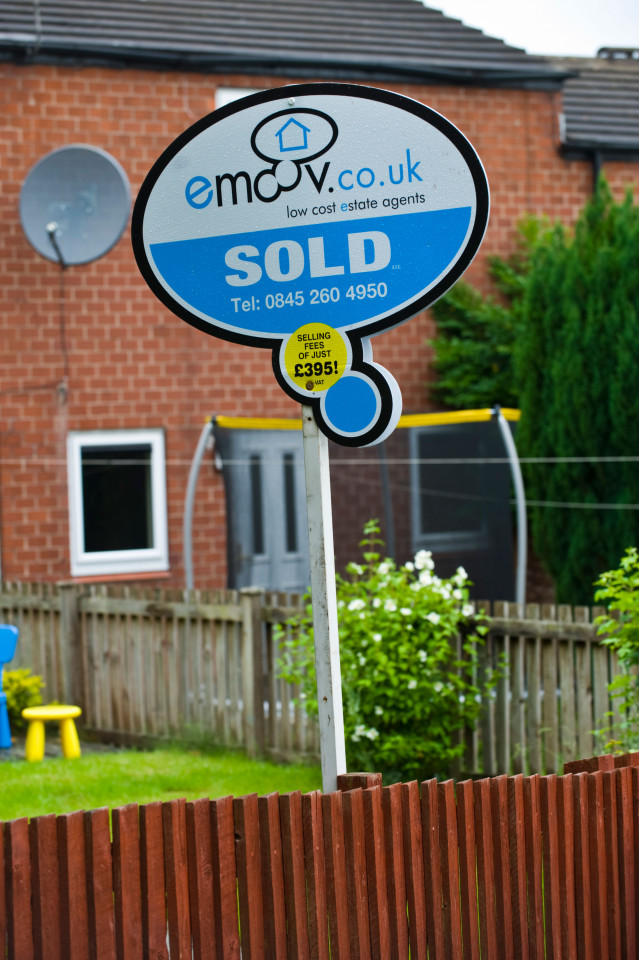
<point x="150" y="560"/>
<point x="224" y="95"/>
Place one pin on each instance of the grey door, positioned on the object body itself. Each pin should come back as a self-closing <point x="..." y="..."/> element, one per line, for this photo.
<point x="266" y="509"/>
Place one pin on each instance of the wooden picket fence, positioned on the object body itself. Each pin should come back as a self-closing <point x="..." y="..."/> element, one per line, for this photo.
<point x="169" y="664"/>
<point x="495" y="869"/>
<point x="552" y="693"/>
<point x="148" y="664"/>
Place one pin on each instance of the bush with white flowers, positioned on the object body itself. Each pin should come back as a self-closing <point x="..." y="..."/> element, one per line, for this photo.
<point x="406" y="695"/>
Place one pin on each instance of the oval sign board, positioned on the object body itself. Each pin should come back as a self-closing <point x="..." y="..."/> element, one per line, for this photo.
<point x="307" y="219"/>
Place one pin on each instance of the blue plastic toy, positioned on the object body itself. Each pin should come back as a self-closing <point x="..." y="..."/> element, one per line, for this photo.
<point x="8" y="641"/>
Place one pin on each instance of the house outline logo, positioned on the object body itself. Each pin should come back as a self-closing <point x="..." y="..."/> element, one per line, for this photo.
<point x="293" y="139"/>
<point x="282" y="133"/>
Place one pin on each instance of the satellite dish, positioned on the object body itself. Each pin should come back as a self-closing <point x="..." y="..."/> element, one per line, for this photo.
<point x="74" y="204"/>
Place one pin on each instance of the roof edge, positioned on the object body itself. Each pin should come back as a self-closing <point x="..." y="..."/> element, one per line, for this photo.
<point x="608" y="151"/>
<point x="30" y="52"/>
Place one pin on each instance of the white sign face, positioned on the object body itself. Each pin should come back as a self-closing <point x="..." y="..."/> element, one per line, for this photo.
<point x="307" y="219"/>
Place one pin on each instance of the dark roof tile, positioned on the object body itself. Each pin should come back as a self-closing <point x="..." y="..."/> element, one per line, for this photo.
<point x="601" y="104"/>
<point x="358" y="38"/>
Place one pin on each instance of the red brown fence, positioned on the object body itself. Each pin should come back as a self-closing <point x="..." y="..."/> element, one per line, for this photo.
<point x="507" y="867"/>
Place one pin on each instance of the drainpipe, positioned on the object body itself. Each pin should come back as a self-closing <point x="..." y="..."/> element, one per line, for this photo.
<point x="597" y="164"/>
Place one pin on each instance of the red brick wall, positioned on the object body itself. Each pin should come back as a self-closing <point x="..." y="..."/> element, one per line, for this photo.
<point x="133" y="364"/>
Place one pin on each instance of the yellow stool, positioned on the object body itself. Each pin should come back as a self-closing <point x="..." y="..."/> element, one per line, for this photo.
<point x="64" y="714"/>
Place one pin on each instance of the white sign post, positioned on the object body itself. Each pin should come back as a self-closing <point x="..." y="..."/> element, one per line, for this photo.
<point x="325" y="627"/>
<point x="305" y="220"/>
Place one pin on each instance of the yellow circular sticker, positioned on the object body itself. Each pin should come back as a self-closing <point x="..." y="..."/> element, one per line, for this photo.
<point x="315" y="357"/>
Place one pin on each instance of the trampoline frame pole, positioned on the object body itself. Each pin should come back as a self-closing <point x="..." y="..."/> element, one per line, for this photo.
<point x="520" y="499"/>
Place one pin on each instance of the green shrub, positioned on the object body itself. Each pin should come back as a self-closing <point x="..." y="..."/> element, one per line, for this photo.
<point x="406" y="696"/>
<point x="472" y="351"/>
<point x="23" y="690"/>
<point x="620" y="590"/>
<point x="473" y="348"/>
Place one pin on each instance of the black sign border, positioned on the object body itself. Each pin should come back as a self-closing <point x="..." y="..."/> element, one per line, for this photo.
<point x="304" y="90"/>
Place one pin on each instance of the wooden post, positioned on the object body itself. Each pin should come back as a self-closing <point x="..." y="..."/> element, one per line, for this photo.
<point x="74" y="679"/>
<point x="351" y="781"/>
<point x="252" y="682"/>
<point x="325" y="629"/>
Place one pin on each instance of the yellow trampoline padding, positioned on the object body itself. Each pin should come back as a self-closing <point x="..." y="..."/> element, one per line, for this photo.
<point x="407" y="420"/>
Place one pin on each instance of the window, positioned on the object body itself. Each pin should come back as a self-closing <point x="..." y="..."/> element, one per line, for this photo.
<point x="224" y="95"/>
<point x="290" y="511"/>
<point x="256" y="503"/>
<point x="117" y="502"/>
<point x="451" y="505"/>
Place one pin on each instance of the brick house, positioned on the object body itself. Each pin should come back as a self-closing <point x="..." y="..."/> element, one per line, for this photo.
<point x="93" y="367"/>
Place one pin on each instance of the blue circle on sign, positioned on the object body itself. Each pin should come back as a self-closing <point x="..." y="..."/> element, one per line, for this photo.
<point x="352" y="404"/>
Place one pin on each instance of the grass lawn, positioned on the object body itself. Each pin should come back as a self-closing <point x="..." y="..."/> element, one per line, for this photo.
<point x="111" y="779"/>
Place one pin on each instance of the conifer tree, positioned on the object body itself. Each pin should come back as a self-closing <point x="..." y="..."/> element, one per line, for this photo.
<point x="576" y="361"/>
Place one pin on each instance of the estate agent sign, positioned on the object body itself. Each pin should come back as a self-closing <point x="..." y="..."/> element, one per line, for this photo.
<point x="305" y="220"/>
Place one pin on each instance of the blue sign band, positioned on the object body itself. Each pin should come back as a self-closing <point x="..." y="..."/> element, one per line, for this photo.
<point x="342" y="273"/>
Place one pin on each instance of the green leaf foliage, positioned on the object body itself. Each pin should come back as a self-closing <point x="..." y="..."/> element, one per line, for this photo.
<point x="406" y="695"/>
<point x="619" y="629"/>
<point x="473" y="351"/>
<point x="473" y="362"/>
<point x="22" y="689"/>
<point x="576" y="360"/>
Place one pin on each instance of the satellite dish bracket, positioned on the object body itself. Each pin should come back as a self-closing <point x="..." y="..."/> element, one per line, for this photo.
<point x="52" y="229"/>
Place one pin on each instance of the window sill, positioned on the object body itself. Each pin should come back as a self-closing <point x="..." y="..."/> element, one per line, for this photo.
<point x="119" y="577"/>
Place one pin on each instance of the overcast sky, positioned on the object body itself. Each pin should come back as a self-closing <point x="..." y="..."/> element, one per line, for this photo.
<point x="561" y="27"/>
